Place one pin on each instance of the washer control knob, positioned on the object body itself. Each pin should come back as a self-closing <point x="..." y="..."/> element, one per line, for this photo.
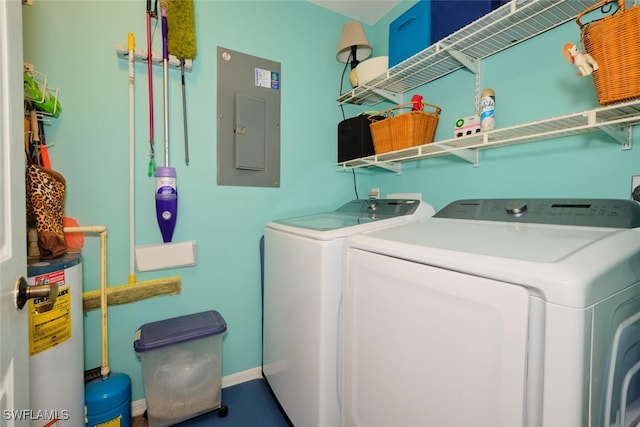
<point x="516" y="207"/>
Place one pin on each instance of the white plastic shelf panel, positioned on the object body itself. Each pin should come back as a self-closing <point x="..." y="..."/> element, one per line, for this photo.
<point x="506" y="26"/>
<point x="620" y="115"/>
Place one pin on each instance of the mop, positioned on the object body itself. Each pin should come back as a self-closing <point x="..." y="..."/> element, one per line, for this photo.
<point x="166" y="191"/>
<point x="182" y="44"/>
<point x="133" y="291"/>
<point x="122" y="294"/>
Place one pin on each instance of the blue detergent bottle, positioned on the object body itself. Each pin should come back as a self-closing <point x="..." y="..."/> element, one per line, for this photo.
<point x="166" y="201"/>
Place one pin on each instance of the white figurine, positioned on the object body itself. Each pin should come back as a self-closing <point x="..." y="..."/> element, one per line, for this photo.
<point x="585" y="62"/>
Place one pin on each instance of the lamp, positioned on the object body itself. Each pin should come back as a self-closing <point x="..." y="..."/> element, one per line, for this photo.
<point x="353" y="45"/>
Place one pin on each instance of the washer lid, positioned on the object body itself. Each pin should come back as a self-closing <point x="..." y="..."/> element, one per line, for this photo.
<point x="355" y="216"/>
<point x="570" y="265"/>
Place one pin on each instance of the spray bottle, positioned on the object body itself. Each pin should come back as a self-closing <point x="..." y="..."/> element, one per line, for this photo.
<point x="166" y="190"/>
<point x="487" y="109"/>
<point x="166" y="201"/>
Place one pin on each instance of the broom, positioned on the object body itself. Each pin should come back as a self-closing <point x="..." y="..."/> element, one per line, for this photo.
<point x="114" y="295"/>
<point x="124" y="294"/>
<point x="182" y="44"/>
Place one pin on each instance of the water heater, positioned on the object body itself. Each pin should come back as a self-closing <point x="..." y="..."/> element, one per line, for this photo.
<point x="56" y="361"/>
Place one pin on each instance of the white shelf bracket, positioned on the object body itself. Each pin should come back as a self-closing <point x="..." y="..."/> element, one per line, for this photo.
<point x="390" y="166"/>
<point x="476" y="91"/>
<point x="391" y="96"/>
<point x="620" y="132"/>
<point x="470" y="63"/>
<point x="470" y="156"/>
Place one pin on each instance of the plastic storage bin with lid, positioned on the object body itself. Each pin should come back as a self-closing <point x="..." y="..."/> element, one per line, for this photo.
<point x="182" y="366"/>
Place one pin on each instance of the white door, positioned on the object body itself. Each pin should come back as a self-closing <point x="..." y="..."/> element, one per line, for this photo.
<point x="14" y="357"/>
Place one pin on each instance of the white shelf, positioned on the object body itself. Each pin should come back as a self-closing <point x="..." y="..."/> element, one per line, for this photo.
<point x="506" y="26"/>
<point x="616" y="120"/>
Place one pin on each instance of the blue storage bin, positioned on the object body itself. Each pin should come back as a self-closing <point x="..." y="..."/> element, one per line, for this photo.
<point x="448" y="16"/>
<point x="410" y="33"/>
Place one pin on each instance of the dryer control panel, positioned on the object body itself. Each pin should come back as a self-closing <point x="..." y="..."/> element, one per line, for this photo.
<point x="582" y="212"/>
<point x="384" y="208"/>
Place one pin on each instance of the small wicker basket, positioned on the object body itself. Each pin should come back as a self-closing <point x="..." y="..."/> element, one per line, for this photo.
<point x="613" y="42"/>
<point x="392" y="132"/>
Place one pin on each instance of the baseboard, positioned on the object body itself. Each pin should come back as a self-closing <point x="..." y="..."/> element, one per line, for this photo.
<point x="139" y="406"/>
<point x="242" y="377"/>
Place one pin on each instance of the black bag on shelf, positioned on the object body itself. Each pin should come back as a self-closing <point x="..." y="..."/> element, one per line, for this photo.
<point x="354" y="138"/>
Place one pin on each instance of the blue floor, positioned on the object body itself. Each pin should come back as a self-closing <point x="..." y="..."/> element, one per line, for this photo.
<point x="250" y="404"/>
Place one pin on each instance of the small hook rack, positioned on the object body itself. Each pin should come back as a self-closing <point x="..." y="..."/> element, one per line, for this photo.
<point x="37" y="90"/>
<point x="140" y="55"/>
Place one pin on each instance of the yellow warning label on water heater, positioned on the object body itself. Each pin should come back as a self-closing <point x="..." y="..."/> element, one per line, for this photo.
<point x="49" y="328"/>
<point x="111" y="423"/>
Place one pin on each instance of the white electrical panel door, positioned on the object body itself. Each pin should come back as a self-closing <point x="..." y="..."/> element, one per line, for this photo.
<point x="424" y="346"/>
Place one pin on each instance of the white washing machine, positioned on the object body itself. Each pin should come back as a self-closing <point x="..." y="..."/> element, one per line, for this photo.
<point x="302" y="290"/>
<point x="496" y="313"/>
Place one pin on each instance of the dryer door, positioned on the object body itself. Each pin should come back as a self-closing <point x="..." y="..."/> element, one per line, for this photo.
<point x="431" y="347"/>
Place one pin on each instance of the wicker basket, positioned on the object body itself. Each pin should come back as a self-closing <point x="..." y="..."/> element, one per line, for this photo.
<point x="613" y="42"/>
<point x="408" y="129"/>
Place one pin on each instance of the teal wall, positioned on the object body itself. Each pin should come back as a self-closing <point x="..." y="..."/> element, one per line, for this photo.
<point x="73" y="42"/>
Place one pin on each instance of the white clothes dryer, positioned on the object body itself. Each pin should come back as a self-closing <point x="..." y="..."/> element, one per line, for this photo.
<point x="496" y="313"/>
<point x="302" y="289"/>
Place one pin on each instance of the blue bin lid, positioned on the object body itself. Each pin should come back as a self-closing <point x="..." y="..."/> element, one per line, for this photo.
<point x="178" y="329"/>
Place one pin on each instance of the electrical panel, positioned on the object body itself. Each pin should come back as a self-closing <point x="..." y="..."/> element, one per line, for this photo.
<point x="249" y="132"/>
<point x="248" y="120"/>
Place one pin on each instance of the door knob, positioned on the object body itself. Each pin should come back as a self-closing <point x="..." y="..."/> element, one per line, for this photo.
<point x="25" y="292"/>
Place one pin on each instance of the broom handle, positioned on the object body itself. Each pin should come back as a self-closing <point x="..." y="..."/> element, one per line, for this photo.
<point x="184" y="115"/>
<point x="152" y="166"/>
<point x="132" y="277"/>
<point x="149" y="70"/>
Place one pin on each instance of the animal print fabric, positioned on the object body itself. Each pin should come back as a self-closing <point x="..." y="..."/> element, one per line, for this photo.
<point x="45" y="209"/>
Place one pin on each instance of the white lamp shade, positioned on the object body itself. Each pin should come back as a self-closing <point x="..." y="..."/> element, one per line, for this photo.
<point x="353" y="35"/>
